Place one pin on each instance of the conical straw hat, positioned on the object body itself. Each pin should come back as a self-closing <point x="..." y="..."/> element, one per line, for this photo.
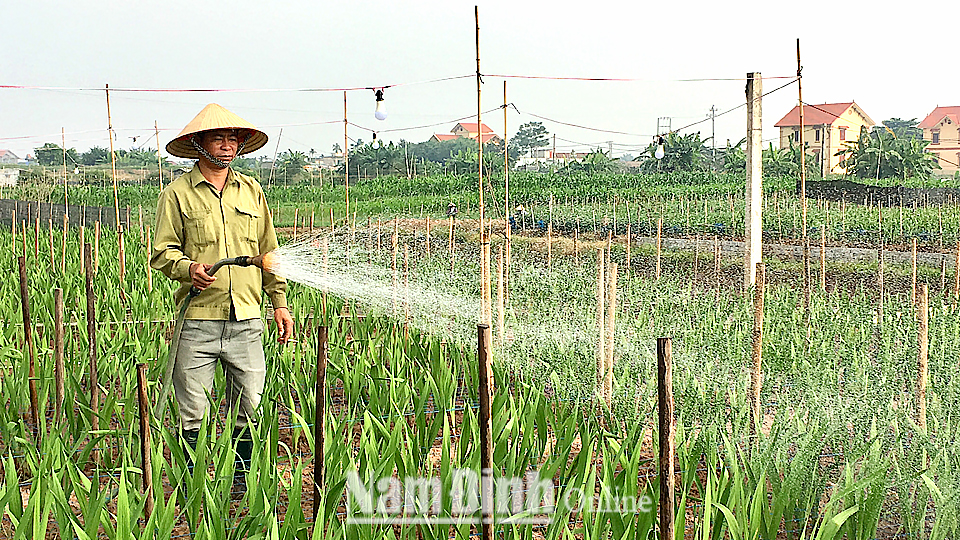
<point x="214" y="116"/>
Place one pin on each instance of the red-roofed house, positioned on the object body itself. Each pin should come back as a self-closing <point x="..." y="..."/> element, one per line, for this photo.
<point x="468" y="129"/>
<point x="942" y="129"/>
<point x="7" y="156"/>
<point x="826" y="127"/>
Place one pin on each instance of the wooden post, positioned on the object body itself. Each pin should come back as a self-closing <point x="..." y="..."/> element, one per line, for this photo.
<point x="601" y="321"/>
<point x="659" y="243"/>
<point x="501" y="315"/>
<point x="58" y="337"/>
<point x="753" y="225"/>
<point x="113" y="160"/>
<point x="923" y="329"/>
<point x="346" y="163"/>
<point x="92" y="344"/>
<point x="823" y="258"/>
<point x="485" y="376"/>
<point x="147" y="268"/>
<point x="913" y="273"/>
<point x="716" y="264"/>
<point x="146" y="449"/>
<point x="427" y="240"/>
<point x="629" y="245"/>
<point x="476" y="17"/>
<point x="666" y="443"/>
<point x="319" y="485"/>
<point x="550" y="235"/>
<point x="31" y="351"/>
<point x="611" y="334"/>
<point x="956" y="275"/>
<point x="756" y="377"/>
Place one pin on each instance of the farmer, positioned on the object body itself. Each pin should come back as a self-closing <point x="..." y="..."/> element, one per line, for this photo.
<point x="210" y="213"/>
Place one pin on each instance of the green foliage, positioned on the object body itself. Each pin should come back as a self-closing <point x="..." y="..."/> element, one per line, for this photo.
<point x="530" y="136"/>
<point x="96" y="155"/>
<point x="880" y="154"/>
<point x="596" y="162"/>
<point x="681" y="153"/>
<point x="902" y="129"/>
<point x="52" y="155"/>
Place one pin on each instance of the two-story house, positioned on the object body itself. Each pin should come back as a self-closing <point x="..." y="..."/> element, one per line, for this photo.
<point x="826" y="127"/>
<point x="6" y="156"/>
<point x="470" y="130"/>
<point x="942" y="128"/>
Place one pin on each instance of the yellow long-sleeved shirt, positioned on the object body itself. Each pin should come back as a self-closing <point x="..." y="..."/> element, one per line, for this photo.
<point x="195" y="223"/>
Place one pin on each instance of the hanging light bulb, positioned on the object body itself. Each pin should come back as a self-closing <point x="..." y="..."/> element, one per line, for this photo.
<point x="381" y="112"/>
<point x="659" y="153"/>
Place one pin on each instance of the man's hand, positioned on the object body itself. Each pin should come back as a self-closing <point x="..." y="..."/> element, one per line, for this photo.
<point x="284" y="324"/>
<point x="199" y="277"/>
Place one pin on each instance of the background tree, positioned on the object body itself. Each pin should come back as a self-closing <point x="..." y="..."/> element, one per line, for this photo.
<point x="336" y="148"/>
<point x="879" y="154"/>
<point x="902" y="129"/>
<point x="681" y="153"/>
<point x="290" y="166"/>
<point x="530" y="136"/>
<point x="96" y="155"/>
<point x="51" y="154"/>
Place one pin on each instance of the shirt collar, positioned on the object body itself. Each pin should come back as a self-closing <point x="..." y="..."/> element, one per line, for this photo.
<point x="197" y="178"/>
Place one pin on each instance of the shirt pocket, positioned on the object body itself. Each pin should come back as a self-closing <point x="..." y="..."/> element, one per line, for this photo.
<point x="249" y="222"/>
<point x="198" y="227"/>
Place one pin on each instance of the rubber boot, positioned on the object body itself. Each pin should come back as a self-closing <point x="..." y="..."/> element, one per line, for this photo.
<point x="190" y="437"/>
<point x="243" y="443"/>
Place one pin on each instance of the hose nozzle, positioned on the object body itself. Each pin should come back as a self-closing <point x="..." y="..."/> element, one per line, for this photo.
<point x="264" y="261"/>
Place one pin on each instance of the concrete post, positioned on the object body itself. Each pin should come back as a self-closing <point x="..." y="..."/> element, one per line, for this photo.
<point x="752" y="220"/>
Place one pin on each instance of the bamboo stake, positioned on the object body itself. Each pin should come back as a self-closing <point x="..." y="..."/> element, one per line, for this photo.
<point x="296" y="217"/>
<point x="82" y="241"/>
<point x="58" y="367"/>
<point x="394" y="243"/>
<point x="550" y="235"/>
<point x="696" y="257"/>
<point x="146" y="452"/>
<point x="346" y="162"/>
<point x="913" y="273"/>
<point x="427" y="240"/>
<point x="716" y="264"/>
<point x="956" y="272"/>
<point x="13" y="230"/>
<point x="943" y="276"/>
<point x="96" y="246"/>
<point x="450" y="243"/>
<point x="803" y="200"/>
<point x="823" y="258"/>
<point x="319" y="419"/>
<point x="485" y="285"/>
<point x="667" y="456"/>
<point x="756" y="376"/>
<point x="406" y="291"/>
<point x="923" y="309"/>
<point x="113" y="159"/>
<point x="89" y="265"/>
<point x="611" y="321"/>
<point x="506" y="195"/>
<point x="485" y="376"/>
<point x="659" y="240"/>
<point x="500" y="298"/>
<point x="333" y="226"/>
<point x="159" y="159"/>
<point x="53" y="256"/>
<point x="601" y="321"/>
<point x="629" y="245"/>
<point x="147" y="267"/>
<point x="63" y="245"/>
<point x="36" y="236"/>
<point x="31" y="351"/>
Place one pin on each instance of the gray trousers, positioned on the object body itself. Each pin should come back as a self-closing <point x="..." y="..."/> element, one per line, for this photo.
<point x="238" y="346"/>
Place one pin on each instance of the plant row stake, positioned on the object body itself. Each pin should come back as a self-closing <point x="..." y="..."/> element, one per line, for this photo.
<point x="485" y="376"/>
<point x="319" y="486"/>
<point x="146" y="455"/>
<point x="92" y="343"/>
<point x="58" y="367"/>
<point x="922" y="360"/>
<point x="28" y="342"/>
<point x="667" y="458"/>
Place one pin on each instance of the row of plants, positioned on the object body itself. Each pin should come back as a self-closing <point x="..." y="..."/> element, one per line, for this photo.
<point x="841" y="457"/>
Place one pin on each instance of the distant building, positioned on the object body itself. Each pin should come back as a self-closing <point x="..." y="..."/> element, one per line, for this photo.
<point x="826" y="127"/>
<point x="9" y="177"/>
<point x="8" y="157"/>
<point x="468" y="130"/>
<point x="942" y="128"/>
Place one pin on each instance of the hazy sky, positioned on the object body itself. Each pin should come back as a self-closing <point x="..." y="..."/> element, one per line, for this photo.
<point x="893" y="62"/>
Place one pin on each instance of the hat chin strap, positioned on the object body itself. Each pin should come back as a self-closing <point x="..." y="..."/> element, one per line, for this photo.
<point x="218" y="163"/>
